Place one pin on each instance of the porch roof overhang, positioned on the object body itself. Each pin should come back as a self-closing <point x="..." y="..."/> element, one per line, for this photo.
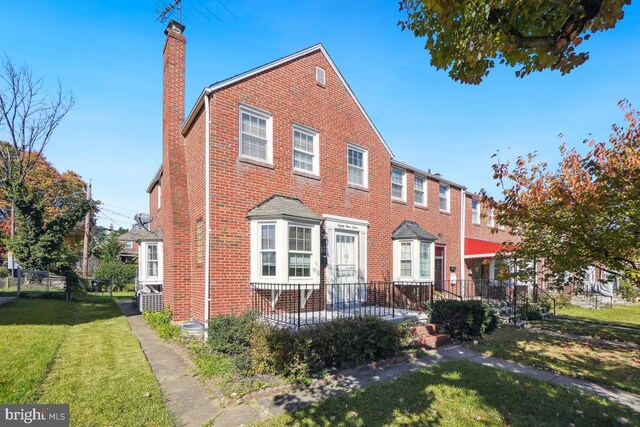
<point x="278" y="206"/>
<point x="476" y="248"/>
<point x="410" y="230"/>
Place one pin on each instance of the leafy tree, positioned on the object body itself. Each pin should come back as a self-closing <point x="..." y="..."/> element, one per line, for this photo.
<point x="467" y="38"/>
<point x="587" y="212"/>
<point x="110" y="248"/>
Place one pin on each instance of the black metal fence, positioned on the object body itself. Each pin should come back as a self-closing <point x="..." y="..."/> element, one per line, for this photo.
<point x="297" y="305"/>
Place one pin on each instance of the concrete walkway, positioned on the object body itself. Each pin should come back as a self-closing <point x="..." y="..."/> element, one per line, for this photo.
<point x="6" y="299"/>
<point x="184" y="395"/>
<point x="458" y="352"/>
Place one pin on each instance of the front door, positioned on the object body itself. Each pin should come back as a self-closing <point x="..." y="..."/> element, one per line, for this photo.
<point x="439" y="268"/>
<point x="346" y="264"/>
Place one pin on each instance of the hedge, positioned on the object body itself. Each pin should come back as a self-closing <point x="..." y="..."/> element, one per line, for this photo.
<point x="464" y="319"/>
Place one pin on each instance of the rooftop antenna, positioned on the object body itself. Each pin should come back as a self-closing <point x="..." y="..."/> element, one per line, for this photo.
<point x="167" y="11"/>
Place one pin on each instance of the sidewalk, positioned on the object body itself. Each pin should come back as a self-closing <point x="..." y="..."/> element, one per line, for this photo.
<point x="6" y="299"/>
<point x="187" y="399"/>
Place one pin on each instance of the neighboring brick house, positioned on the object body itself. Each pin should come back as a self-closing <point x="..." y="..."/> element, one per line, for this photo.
<point x="278" y="175"/>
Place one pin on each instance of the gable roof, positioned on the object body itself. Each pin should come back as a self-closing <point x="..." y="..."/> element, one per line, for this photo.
<point x="269" y="66"/>
<point x="411" y="230"/>
<point x="434" y="176"/>
<point x="282" y="206"/>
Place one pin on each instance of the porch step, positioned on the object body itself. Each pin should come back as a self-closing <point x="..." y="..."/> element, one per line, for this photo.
<point x="427" y="336"/>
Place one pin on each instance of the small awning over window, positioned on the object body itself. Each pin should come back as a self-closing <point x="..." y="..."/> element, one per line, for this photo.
<point x="410" y="230"/>
<point x="282" y="206"/>
<point x="476" y="248"/>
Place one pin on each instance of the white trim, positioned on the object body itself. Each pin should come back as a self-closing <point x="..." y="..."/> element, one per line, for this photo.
<point x="275" y="64"/>
<point x="339" y="224"/>
<point x="365" y="164"/>
<point x="316" y="148"/>
<point x="403" y="192"/>
<point x="478" y="211"/>
<point x="321" y="72"/>
<point x="207" y="209"/>
<point x="463" y="224"/>
<point x="448" y="209"/>
<point x="487" y="255"/>
<point x="268" y="118"/>
<point x="415" y="261"/>
<point x="360" y="223"/>
<point x="425" y="183"/>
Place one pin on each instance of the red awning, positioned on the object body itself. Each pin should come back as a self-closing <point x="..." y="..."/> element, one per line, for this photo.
<point x="475" y="248"/>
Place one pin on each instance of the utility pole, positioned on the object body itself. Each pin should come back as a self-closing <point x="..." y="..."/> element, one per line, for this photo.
<point x="87" y="232"/>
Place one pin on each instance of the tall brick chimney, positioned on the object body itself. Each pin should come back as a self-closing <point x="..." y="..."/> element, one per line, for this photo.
<point x="174" y="215"/>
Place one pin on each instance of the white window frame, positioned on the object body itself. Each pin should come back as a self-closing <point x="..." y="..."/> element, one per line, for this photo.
<point x="282" y="251"/>
<point x="321" y="72"/>
<point x="430" y="249"/>
<point x="159" y="190"/>
<point x="128" y="244"/>
<point x="475" y="213"/>
<point x="143" y="252"/>
<point x="415" y="261"/>
<point x="490" y="219"/>
<point x="365" y="165"/>
<point x="290" y="250"/>
<point x="448" y="198"/>
<point x="423" y="190"/>
<point x="247" y="109"/>
<point x="403" y="184"/>
<point x="261" y="250"/>
<point x="316" y="149"/>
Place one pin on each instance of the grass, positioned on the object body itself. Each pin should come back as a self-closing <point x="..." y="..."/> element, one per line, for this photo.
<point x="601" y="364"/>
<point x="458" y="393"/>
<point x="618" y="315"/>
<point x="589" y="330"/>
<point x="80" y="353"/>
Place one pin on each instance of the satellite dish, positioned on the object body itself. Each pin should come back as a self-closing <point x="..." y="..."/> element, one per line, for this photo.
<point x="143" y="220"/>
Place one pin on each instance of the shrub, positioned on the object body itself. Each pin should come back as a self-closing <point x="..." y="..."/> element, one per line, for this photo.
<point x="337" y="344"/>
<point x="531" y="312"/>
<point x="230" y="334"/>
<point x="120" y="274"/>
<point x="628" y="290"/>
<point x="160" y="321"/>
<point x="4" y="272"/>
<point x="464" y="319"/>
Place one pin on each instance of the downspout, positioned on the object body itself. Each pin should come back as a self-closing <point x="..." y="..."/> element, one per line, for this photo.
<point x="207" y="210"/>
<point x="463" y="215"/>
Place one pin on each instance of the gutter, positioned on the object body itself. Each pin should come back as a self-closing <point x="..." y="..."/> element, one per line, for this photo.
<point x="207" y="204"/>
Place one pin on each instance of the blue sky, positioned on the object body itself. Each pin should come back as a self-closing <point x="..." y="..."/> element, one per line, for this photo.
<point x="110" y="54"/>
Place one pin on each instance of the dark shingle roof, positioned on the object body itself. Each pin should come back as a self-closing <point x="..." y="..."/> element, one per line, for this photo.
<point x="411" y="230"/>
<point x="282" y="206"/>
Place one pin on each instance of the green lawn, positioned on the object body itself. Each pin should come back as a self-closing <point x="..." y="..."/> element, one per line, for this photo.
<point x="80" y="353"/>
<point x="588" y="330"/>
<point x="602" y="364"/>
<point x="459" y="393"/>
<point x="618" y="315"/>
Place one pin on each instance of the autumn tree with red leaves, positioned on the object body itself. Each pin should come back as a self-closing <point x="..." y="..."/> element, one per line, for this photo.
<point x="587" y="212"/>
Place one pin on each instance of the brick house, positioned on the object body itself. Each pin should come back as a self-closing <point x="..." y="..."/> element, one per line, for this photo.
<point x="278" y="176"/>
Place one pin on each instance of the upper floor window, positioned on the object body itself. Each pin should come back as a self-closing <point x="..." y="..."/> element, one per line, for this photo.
<point x="490" y="220"/>
<point x="475" y="212"/>
<point x="128" y="244"/>
<point x="159" y="190"/>
<point x="398" y="187"/>
<point x="444" y="198"/>
<point x="418" y="191"/>
<point x="256" y="136"/>
<point x="357" y="165"/>
<point x="305" y="150"/>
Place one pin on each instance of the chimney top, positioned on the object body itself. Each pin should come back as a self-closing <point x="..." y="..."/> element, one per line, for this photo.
<point x="174" y="26"/>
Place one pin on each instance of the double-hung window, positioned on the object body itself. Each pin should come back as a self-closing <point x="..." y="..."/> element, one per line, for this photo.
<point x="128" y="244"/>
<point x="305" y="150"/>
<point x="475" y="212"/>
<point x="267" y="250"/>
<point x="405" y="259"/>
<point x="300" y="251"/>
<point x="418" y="191"/>
<point x="256" y="139"/>
<point x="425" y="259"/>
<point x="152" y="260"/>
<point x="490" y="221"/>
<point x="444" y="198"/>
<point x="357" y="166"/>
<point x="398" y="184"/>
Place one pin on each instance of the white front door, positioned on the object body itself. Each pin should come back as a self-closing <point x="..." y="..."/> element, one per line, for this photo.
<point x="346" y="267"/>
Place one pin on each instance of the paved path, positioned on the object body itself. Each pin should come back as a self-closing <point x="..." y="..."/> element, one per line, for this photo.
<point x="458" y="352"/>
<point x="6" y="299"/>
<point x="184" y="395"/>
<point x="581" y="338"/>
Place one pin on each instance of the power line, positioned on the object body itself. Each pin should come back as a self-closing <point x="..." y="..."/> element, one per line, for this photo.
<point x="211" y="11"/>
<point x="227" y="9"/>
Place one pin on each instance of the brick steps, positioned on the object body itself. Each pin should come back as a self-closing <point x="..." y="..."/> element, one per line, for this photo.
<point x="427" y="336"/>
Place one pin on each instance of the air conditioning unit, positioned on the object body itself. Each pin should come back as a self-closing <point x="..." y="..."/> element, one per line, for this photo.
<point x="150" y="301"/>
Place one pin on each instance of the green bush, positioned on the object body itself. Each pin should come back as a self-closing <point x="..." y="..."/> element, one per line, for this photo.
<point x="160" y="321"/>
<point x="337" y="344"/>
<point x="464" y="319"/>
<point x="4" y="272"/>
<point x="120" y="274"/>
<point x="628" y="290"/>
<point x="230" y="334"/>
<point x="531" y="312"/>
